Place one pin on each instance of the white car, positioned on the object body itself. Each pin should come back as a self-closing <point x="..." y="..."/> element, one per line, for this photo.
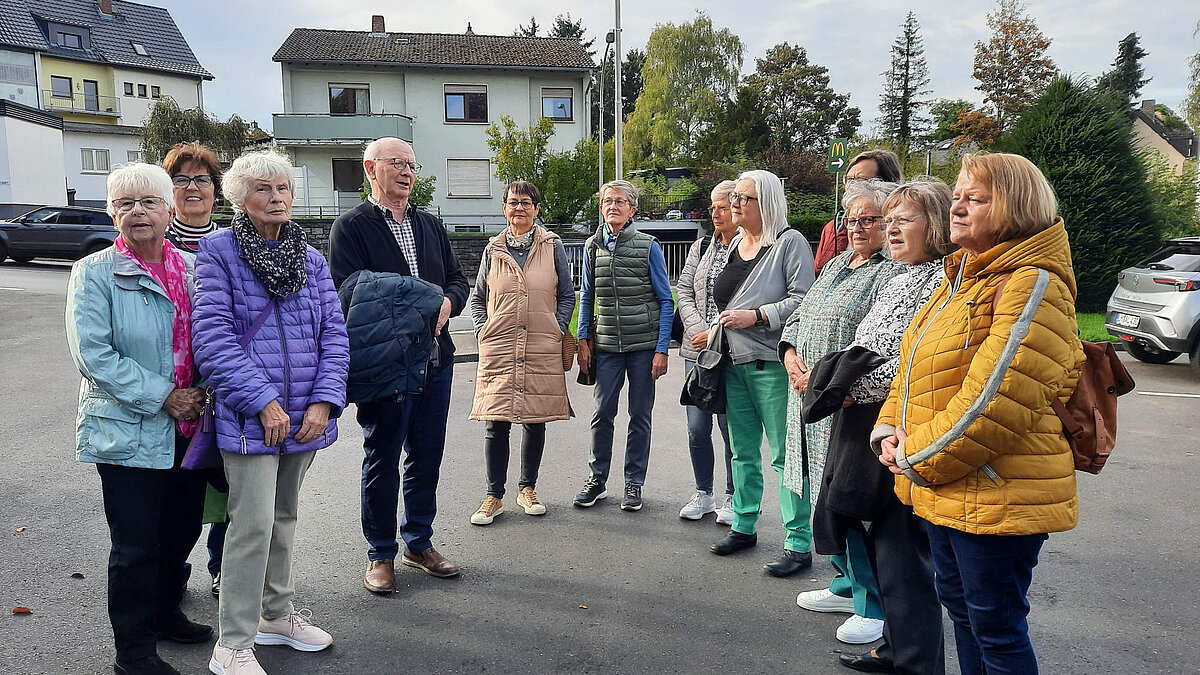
<point x="674" y="214"/>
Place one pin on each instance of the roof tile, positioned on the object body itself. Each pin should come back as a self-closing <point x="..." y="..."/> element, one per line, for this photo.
<point x="316" y="45"/>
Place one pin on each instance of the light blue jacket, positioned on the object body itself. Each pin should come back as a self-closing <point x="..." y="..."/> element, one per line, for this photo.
<point x="119" y="333"/>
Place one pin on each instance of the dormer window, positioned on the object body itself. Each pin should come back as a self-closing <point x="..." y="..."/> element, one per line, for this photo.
<point x="70" y="40"/>
<point x="139" y="49"/>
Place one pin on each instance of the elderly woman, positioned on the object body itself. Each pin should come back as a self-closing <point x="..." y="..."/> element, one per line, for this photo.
<point x="697" y="310"/>
<point x="825" y="322"/>
<point x="968" y="426"/>
<point x="129" y="330"/>
<point x="855" y="487"/>
<point x="195" y="172"/>
<point x="524" y="282"/>
<point x="274" y="348"/>
<point x="768" y="272"/>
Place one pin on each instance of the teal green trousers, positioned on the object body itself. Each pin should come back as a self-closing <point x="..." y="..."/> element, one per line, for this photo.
<point x="854" y="577"/>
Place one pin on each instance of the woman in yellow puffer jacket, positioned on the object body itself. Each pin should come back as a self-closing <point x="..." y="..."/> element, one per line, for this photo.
<point x="968" y="428"/>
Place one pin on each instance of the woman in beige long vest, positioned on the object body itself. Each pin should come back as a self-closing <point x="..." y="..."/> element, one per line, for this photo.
<point x="521" y="306"/>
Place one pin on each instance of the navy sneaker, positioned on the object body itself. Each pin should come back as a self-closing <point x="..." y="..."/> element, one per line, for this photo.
<point x="592" y="492"/>
<point x="632" y="501"/>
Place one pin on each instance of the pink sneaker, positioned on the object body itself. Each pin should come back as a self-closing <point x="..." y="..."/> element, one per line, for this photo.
<point x="226" y="661"/>
<point x="295" y="630"/>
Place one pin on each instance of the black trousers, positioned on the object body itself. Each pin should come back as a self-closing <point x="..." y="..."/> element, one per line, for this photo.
<point x="496" y="451"/>
<point x="898" y="547"/>
<point x="153" y="520"/>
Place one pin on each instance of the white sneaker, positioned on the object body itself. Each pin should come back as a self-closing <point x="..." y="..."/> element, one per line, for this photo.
<point x="859" y="630"/>
<point x="295" y="630"/>
<point x="825" y="600"/>
<point x="725" y="511"/>
<point x="226" y="661"/>
<point x="701" y="503"/>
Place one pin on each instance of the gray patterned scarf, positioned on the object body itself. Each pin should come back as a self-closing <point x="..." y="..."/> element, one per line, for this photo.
<point x="280" y="267"/>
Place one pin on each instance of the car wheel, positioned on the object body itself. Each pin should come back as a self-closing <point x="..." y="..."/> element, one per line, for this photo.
<point x="1149" y="354"/>
<point x="1195" y="358"/>
<point x="3" y="252"/>
<point x="22" y="259"/>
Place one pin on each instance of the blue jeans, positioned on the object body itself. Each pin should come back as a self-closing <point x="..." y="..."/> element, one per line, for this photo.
<point x="700" y="443"/>
<point x="417" y="425"/>
<point x="612" y="370"/>
<point x="982" y="581"/>
<point x="216" y="546"/>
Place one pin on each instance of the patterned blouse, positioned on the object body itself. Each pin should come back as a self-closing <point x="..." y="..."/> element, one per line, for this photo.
<point x="720" y="256"/>
<point x="825" y="322"/>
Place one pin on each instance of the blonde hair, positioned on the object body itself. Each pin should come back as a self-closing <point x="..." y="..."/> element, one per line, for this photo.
<point x="1023" y="203"/>
<point x="933" y="199"/>
<point x="722" y="191"/>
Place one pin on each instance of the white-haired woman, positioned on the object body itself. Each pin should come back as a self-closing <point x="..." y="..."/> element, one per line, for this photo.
<point x="275" y="351"/>
<point x="128" y="325"/>
<point x="769" y="270"/>
<point x="697" y="311"/>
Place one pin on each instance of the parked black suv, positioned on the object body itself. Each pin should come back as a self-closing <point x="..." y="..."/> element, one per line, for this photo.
<point x="64" y="232"/>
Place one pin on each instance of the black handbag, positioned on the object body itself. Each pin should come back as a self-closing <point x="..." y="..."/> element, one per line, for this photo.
<point x="704" y="386"/>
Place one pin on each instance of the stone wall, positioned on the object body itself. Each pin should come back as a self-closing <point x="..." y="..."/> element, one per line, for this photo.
<point x="468" y="249"/>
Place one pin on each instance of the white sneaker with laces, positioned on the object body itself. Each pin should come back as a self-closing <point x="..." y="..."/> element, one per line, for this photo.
<point x="701" y="503"/>
<point x="226" y="661"/>
<point x="825" y="600"/>
<point x="859" y="630"/>
<point x="725" y="511"/>
<point x="295" y="630"/>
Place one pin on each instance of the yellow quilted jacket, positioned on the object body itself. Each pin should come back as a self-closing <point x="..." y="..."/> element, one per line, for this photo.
<point x="985" y="453"/>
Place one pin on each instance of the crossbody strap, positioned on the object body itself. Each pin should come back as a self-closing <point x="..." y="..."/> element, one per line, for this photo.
<point x="258" y="324"/>
<point x="1072" y="425"/>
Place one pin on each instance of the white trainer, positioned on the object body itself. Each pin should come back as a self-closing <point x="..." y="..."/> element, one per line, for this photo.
<point x="725" y="511"/>
<point x="825" y="600"/>
<point x="295" y="630"/>
<point x="701" y="503"/>
<point x="859" y="630"/>
<point x="226" y="661"/>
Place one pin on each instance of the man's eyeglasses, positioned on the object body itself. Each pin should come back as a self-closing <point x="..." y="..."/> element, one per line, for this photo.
<point x="148" y="203"/>
<point x="202" y="181"/>
<point x="615" y="202"/>
<point x="737" y="200"/>
<point x="399" y="163"/>
<point x="863" y="222"/>
<point x="899" y="221"/>
<point x="513" y="204"/>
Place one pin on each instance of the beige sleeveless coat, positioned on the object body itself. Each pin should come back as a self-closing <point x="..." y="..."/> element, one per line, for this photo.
<point x="520" y="377"/>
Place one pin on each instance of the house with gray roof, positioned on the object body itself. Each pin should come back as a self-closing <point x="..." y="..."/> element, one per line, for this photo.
<point x="342" y="89"/>
<point x="1165" y="133"/>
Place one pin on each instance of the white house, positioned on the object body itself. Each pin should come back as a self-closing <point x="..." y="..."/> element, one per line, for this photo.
<point x="342" y="89"/>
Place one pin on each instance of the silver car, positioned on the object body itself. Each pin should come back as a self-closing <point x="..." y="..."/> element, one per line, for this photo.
<point x="1155" y="308"/>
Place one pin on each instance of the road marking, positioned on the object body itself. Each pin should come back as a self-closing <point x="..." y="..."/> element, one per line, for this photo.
<point x="10" y="288"/>
<point x="1168" y="393"/>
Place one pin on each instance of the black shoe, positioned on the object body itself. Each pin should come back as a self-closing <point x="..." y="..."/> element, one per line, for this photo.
<point x="633" y="498"/>
<point x="184" y="631"/>
<point x="734" y="542"/>
<point x="789" y="563"/>
<point x="216" y="585"/>
<point x="147" y="665"/>
<point x="867" y="662"/>
<point x="592" y="492"/>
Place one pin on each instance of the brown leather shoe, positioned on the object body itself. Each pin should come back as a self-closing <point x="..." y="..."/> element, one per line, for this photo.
<point x="431" y="562"/>
<point x="380" y="576"/>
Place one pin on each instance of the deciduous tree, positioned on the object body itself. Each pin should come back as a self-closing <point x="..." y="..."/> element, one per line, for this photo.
<point x="1013" y="68"/>
<point x="519" y="154"/>
<point x="1191" y="102"/>
<point x="631" y="89"/>
<point x="945" y="114"/>
<point x="904" y="87"/>
<point x="974" y="126"/>
<point x="169" y="124"/>
<point x="739" y="129"/>
<point x="801" y="107"/>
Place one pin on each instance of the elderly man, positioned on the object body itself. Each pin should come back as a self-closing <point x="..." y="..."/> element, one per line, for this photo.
<point x="625" y="315"/>
<point x="387" y="234"/>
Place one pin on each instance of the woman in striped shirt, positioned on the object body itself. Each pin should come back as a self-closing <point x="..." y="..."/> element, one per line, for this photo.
<point x="195" y="171"/>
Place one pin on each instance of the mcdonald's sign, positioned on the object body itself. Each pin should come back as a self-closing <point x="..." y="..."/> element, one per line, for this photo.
<point x="836" y="159"/>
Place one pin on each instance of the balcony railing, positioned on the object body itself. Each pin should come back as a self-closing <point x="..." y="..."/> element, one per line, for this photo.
<point x="89" y="104"/>
<point x="323" y="129"/>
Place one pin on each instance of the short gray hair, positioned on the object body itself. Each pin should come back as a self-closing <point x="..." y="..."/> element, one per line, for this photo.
<point x="141" y="178"/>
<point x="371" y="152"/>
<point x="263" y="165"/>
<point x="877" y="191"/>
<point x="772" y="203"/>
<point x="722" y="190"/>
<point x="630" y="190"/>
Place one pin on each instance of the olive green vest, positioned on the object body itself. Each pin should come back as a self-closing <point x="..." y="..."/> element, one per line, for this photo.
<point x="625" y="306"/>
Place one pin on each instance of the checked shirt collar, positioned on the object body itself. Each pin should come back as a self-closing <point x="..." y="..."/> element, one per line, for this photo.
<point x="404" y="235"/>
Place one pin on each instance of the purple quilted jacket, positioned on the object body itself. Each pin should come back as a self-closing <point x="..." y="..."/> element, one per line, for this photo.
<point x="299" y="356"/>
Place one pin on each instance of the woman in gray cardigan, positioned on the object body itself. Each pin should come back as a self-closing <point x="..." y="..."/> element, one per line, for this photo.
<point x="697" y="311"/>
<point x="769" y="269"/>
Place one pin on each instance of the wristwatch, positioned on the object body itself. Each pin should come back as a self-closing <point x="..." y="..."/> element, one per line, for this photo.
<point x="760" y="320"/>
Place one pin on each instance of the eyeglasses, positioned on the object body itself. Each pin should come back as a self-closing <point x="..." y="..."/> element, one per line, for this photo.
<point x="865" y="179"/>
<point x="737" y="200"/>
<point x="202" y="181"/>
<point x="608" y="201"/>
<point x="862" y="223"/>
<point x="900" y="221"/>
<point x="520" y="205"/>
<point x="399" y="163"/>
<point x="718" y="209"/>
<point x="148" y="203"/>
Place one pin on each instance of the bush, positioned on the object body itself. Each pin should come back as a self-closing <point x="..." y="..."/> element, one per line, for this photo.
<point x="1082" y="142"/>
<point x="809" y="224"/>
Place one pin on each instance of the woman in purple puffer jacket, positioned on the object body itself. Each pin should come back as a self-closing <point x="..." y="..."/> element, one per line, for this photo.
<point x="277" y="398"/>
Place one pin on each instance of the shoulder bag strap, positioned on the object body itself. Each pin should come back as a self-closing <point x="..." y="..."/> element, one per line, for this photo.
<point x="258" y="324"/>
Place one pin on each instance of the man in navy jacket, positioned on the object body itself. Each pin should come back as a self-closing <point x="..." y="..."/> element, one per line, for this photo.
<point x="387" y="234"/>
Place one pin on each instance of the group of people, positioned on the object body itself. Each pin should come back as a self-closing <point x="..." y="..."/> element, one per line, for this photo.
<point x="906" y="409"/>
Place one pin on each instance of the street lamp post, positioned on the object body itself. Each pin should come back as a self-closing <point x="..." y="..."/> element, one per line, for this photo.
<point x="600" y="150"/>
<point x="618" y="108"/>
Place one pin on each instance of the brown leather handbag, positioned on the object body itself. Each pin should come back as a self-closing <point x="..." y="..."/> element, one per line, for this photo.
<point x="569" y="346"/>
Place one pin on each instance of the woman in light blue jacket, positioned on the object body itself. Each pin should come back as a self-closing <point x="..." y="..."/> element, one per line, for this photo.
<point x="129" y="331"/>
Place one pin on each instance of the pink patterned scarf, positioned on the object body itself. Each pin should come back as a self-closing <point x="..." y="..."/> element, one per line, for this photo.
<point x="176" y="288"/>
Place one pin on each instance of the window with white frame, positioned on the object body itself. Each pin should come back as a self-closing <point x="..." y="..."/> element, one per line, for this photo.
<point x="139" y="49"/>
<point x="469" y="178"/>
<point x="135" y="155"/>
<point x="93" y="160"/>
<point x="349" y="99"/>
<point x="466" y="103"/>
<point x="556" y="103"/>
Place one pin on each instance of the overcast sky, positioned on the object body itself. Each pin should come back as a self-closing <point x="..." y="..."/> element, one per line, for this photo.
<point x="235" y="40"/>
